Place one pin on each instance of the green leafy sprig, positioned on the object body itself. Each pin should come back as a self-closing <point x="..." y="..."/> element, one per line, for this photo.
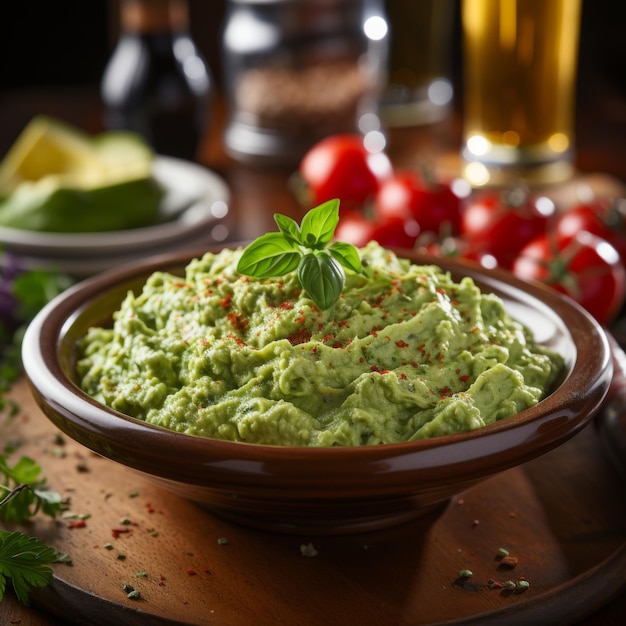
<point x="24" y="560"/>
<point x="307" y="248"/>
<point x="22" y="294"/>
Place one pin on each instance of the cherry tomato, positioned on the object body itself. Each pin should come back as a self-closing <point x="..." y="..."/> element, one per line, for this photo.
<point x="340" y="166"/>
<point x="501" y="224"/>
<point x="436" y="207"/>
<point x="601" y="216"/>
<point x="585" y="267"/>
<point x="358" y="230"/>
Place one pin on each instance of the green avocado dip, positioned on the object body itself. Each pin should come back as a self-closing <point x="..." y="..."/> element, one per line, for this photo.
<point x="405" y="353"/>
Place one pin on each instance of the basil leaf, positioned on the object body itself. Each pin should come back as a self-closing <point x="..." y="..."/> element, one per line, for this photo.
<point x="288" y="227"/>
<point x="322" y="277"/>
<point x="318" y="225"/>
<point x="347" y="255"/>
<point x="270" y="255"/>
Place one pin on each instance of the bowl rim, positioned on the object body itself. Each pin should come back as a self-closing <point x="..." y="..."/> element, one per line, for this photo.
<point x="106" y="431"/>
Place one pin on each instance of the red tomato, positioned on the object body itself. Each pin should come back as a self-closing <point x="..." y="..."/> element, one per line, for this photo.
<point x="340" y="166"/>
<point x="603" y="217"/>
<point x="435" y="207"/>
<point x="356" y="229"/>
<point x="585" y="267"/>
<point x="501" y="224"/>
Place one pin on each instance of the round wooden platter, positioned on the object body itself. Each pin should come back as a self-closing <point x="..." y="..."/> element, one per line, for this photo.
<point x="563" y="517"/>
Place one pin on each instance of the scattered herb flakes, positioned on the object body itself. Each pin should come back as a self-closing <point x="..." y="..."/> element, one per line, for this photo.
<point x="523" y="584"/>
<point x="82" y="467"/>
<point x="131" y="592"/>
<point x="56" y="452"/>
<point x="133" y="494"/>
<point x="125" y="521"/>
<point x="72" y="515"/>
<point x="509" y="585"/>
<point x="121" y="556"/>
<point x="108" y="546"/>
<point x="308" y="550"/>
<point x="222" y="541"/>
<point x="141" y="575"/>
<point x="465" y="573"/>
<point x="503" y="552"/>
<point x="65" y="558"/>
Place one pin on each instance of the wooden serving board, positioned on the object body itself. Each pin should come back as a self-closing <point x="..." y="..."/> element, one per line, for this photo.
<point x="563" y="517"/>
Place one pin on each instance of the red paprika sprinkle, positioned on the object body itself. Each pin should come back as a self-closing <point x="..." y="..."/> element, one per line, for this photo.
<point x="77" y="524"/>
<point x="237" y="321"/>
<point x="226" y="301"/>
<point x="402" y="344"/>
<point x="302" y="336"/>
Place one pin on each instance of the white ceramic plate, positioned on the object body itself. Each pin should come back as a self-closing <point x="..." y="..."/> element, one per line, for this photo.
<point x="196" y="199"/>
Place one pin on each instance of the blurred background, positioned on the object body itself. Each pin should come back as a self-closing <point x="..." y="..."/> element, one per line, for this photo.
<point x="53" y="63"/>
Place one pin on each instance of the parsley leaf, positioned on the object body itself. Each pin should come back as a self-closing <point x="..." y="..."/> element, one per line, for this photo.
<point x="25" y="560"/>
<point x="17" y="503"/>
<point x="305" y="247"/>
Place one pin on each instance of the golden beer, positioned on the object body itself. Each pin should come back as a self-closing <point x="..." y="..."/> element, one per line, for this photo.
<point x="520" y="66"/>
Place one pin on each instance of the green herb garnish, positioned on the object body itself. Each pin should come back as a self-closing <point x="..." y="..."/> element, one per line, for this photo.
<point x="307" y="248"/>
<point x="24" y="559"/>
<point x="22" y="294"/>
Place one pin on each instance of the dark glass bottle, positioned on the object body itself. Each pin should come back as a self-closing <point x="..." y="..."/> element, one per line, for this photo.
<point x="157" y="82"/>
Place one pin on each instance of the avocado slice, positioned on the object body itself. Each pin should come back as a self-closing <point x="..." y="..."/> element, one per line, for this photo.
<point x="56" y="178"/>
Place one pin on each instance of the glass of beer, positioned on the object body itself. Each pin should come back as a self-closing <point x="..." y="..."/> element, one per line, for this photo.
<point x="419" y="88"/>
<point x="520" y="62"/>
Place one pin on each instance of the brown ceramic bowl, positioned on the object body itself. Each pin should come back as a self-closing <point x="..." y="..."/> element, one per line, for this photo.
<point x="317" y="490"/>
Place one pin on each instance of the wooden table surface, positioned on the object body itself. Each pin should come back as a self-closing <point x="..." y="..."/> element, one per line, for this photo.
<point x="580" y="518"/>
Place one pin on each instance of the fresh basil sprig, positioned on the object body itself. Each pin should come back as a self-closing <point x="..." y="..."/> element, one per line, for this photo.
<point x="307" y="248"/>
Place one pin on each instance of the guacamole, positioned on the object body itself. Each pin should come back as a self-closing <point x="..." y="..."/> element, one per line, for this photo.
<point x="406" y="353"/>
